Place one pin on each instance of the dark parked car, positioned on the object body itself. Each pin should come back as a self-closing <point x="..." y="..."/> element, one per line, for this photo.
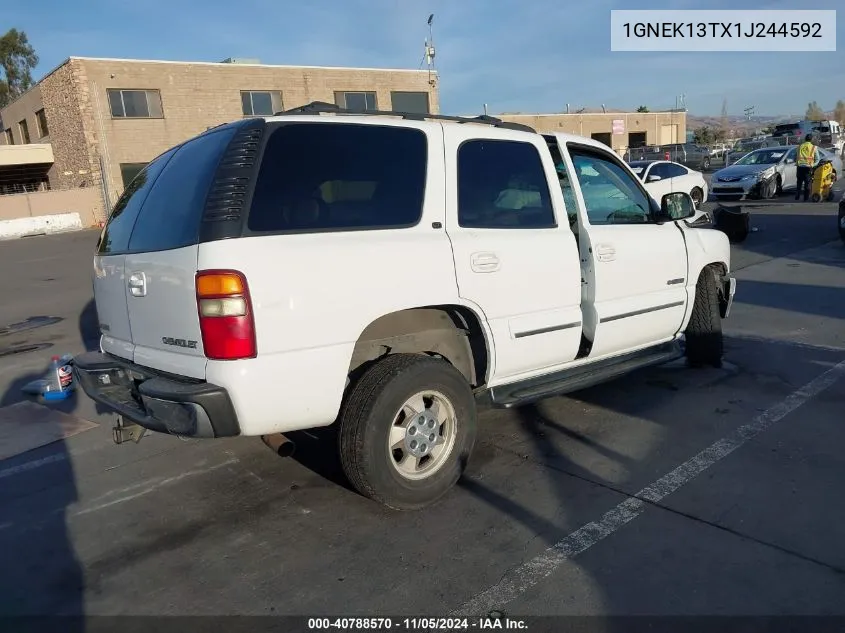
<point x="687" y="154"/>
<point x="841" y="219"/>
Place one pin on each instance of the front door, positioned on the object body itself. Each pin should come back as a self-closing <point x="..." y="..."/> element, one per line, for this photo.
<point x="789" y="171"/>
<point x="516" y="258"/>
<point x="635" y="269"/>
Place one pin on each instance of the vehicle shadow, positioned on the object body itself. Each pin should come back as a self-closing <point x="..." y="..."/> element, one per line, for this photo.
<point x="42" y="575"/>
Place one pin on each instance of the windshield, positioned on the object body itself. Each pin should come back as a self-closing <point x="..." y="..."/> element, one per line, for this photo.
<point x="765" y="157"/>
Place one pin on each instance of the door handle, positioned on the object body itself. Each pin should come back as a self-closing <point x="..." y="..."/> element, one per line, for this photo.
<point x="138" y="285"/>
<point x="606" y="252"/>
<point x="484" y="262"/>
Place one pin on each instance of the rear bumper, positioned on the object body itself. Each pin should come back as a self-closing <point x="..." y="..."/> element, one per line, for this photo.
<point x="164" y="404"/>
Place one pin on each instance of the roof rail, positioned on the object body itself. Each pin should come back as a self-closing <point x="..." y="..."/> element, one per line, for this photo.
<point x="321" y="107"/>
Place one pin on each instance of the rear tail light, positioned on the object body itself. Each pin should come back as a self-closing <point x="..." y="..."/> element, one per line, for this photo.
<point x="225" y="312"/>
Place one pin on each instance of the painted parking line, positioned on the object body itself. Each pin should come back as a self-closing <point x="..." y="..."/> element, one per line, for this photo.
<point x="524" y="577"/>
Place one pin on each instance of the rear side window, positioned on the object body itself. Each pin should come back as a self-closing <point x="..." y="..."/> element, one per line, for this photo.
<point x="502" y="185"/>
<point x="170" y="217"/>
<point x="115" y="238"/>
<point x="339" y="176"/>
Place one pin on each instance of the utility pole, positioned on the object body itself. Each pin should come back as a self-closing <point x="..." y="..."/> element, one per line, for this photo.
<point x="749" y="112"/>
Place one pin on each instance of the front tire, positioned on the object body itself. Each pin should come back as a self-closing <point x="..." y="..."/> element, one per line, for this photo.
<point x="704" y="342"/>
<point x="386" y="426"/>
<point x="841" y="221"/>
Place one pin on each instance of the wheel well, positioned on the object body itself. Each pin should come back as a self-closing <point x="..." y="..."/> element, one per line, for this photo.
<point x="719" y="270"/>
<point x="452" y="332"/>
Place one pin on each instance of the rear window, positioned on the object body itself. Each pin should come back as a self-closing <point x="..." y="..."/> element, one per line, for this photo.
<point x="339" y="176"/>
<point x="115" y="238"/>
<point x="171" y="214"/>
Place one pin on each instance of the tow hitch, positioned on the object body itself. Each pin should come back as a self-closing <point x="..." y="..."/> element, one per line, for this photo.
<point x="124" y="431"/>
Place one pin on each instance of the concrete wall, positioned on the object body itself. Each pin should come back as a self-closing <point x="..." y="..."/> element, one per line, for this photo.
<point x="656" y="125"/>
<point x="87" y="202"/>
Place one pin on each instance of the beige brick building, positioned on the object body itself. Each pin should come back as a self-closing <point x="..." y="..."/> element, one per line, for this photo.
<point x="112" y="116"/>
<point x="619" y="130"/>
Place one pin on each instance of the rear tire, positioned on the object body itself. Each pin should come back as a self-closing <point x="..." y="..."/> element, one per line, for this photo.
<point x="377" y="410"/>
<point x="816" y="197"/>
<point x="704" y="343"/>
<point x="697" y="196"/>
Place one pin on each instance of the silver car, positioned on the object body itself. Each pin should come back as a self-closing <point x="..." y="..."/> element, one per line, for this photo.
<point x="761" y="173"/>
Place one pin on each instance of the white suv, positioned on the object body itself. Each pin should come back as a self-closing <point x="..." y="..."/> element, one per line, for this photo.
<point x="388" y="271"/>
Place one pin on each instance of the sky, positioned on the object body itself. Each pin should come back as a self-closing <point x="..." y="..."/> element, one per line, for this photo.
<point x="514" y="55"/>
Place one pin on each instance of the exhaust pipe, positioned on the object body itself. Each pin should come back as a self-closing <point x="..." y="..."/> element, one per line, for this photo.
<point x="279" y="444"/>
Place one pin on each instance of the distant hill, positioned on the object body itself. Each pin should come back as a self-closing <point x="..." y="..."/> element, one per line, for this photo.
<point x="740" y="124"/>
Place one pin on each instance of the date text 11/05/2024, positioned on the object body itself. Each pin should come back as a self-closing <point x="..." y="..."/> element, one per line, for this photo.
<point x="416" y="624"/>
<point x="722" y="29"/>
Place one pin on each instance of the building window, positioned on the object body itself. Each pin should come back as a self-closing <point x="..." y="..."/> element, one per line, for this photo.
<point x="261" y="103"/>
<point x="135" y="104"/>
<point x="41" y="120"/>
<point x="10" y="139"/>
<point x="356" y="100"/>
<point x="413" y="102"/>
<point x="128" y="171"/>
<point x="23" y="126"/>
<point x="602" y="137"/>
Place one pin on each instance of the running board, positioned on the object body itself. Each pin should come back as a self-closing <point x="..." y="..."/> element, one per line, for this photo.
<point x="577" y="378"/>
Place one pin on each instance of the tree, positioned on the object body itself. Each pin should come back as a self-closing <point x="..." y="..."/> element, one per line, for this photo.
<point x="703" y="136"/>
<point x="814" y="112"/>
<point x="17" y="60"/>
<point x="839" y="112"/>
<point x="642" y="109"/>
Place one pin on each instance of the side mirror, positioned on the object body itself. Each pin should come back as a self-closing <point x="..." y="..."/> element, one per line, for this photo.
<point x="653" y="178"/>
<point x="676" y="206"/>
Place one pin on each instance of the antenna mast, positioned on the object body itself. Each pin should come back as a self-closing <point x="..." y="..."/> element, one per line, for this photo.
<point x="429" y="50"/>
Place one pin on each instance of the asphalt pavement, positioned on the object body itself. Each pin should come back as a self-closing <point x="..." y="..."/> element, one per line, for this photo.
<point x="671" y="491"/>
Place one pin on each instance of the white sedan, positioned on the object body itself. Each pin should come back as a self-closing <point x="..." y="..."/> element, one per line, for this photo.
<point x="662" y="176"/>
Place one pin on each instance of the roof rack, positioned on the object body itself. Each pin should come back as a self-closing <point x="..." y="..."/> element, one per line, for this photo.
<point x="321" y="107"/>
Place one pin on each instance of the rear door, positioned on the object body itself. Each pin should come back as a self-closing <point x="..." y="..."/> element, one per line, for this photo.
<point x="110" y="260"/>
<point x="161" y="265"/>
<point x="516" y="257"/>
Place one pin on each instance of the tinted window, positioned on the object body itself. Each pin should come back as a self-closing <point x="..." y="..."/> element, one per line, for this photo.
<point x="115" y="238"/>
<point x="611" y="194"/>
<point x="502" y="185"/>
<point x="332" y="176"/>
<point x="171" y="214"/>
<point x="658" y="169"/>
<point x="674" y="171"/>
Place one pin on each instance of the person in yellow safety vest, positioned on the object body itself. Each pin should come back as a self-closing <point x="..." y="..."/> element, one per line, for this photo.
<point x="807" y="157"/>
